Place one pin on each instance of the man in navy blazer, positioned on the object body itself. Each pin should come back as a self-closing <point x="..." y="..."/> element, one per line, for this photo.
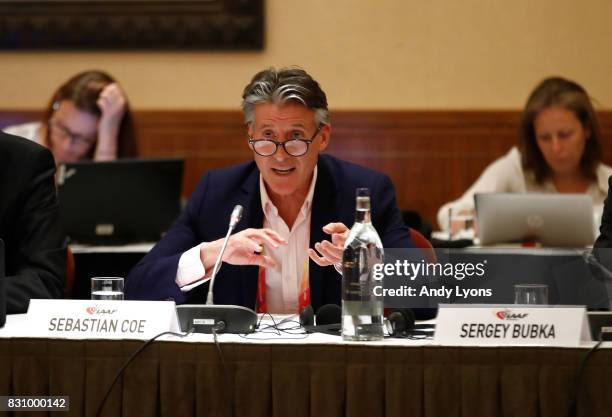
<point x="297" y="205"/>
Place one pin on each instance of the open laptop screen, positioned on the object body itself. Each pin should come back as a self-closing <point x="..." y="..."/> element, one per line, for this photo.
<point x="123" y="201"/>
<point x="556" y="220"/>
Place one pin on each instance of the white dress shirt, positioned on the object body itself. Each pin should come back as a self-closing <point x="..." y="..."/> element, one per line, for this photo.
<point x="283" y="281"/>
<point x="32" y="131"/>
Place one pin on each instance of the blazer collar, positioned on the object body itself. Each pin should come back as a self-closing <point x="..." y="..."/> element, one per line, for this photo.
<point x="250" y="199"/>
<point x="324" y="204"/>
<point x="326" y="208"/>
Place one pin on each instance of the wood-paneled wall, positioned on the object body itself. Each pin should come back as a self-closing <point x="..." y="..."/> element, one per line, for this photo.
<point x="431" y="156"/>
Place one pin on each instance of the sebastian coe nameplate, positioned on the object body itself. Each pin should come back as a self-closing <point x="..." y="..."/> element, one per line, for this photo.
<point x="508" y="325"/>
<point x="101" y="319"/>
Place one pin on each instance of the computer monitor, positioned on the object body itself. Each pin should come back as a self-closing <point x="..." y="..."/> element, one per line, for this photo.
<point x="118" y="202"/>
<point x="2" y="287"/>
<point x="555" y="220"/>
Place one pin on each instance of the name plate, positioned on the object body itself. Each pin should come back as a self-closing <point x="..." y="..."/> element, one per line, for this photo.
<point x="100" y="319"/>
<point x="508" y="325"/>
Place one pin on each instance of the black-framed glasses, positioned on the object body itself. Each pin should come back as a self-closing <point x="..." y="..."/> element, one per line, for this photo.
<point x="294" y="147"/>
<point x="75" y="138"/>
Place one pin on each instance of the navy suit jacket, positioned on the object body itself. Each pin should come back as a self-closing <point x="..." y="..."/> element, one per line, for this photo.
<point x="206" y="218"/>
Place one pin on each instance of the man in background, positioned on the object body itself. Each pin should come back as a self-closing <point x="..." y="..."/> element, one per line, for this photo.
<point x="34" y="244"/>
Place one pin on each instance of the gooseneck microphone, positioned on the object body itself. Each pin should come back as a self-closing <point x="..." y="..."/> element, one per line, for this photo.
<point x="214" y="318"/>
<point x="234" y="219"/>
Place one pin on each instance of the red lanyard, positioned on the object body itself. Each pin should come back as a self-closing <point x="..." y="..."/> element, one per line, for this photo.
<point x="304" y="295"/>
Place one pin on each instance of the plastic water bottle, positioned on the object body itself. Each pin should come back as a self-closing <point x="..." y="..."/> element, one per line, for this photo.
<point x="362" y="311"/>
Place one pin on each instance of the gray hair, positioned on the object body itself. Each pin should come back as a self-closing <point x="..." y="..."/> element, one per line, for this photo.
<point x="282" y="86"/>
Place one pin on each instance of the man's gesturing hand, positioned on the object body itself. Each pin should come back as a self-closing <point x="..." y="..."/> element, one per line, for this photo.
<point x="330" y="253"/>
<point x="243" y="248"/>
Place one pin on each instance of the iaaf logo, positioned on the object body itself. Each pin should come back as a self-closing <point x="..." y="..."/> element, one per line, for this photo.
<point x="509" y="315"/>
<point x="96" y="310"/>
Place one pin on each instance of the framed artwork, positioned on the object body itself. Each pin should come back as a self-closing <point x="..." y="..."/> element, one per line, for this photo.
<point x="132" y="25"/>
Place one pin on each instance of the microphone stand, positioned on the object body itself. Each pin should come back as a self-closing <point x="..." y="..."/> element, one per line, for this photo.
<point x="211" y="318"/>
<point x="234" y="219"/>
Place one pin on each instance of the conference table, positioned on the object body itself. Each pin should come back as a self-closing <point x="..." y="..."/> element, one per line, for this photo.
<point x="290" y="373"/>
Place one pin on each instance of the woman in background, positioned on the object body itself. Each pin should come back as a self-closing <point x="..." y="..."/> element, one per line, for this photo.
<point x="559" y="151"/>
<point x="88" y="117"/>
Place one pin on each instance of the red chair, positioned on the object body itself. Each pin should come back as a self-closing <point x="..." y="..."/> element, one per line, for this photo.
<point x="429" y="253"/>
<point x="421" y="242"/>
<point x="70" y="270"/>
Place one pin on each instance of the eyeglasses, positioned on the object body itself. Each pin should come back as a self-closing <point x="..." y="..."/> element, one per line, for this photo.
<point x="293" y="147"/>
<point x="75" y="138"/>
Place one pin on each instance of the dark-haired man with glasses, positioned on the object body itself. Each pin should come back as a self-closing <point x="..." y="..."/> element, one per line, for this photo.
<point x="297" y="206"/>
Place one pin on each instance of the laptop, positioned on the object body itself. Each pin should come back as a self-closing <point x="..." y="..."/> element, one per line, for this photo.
<point x="2" y="287"/>
<point x="555" y="220"/>
<point x="119" y="202"/>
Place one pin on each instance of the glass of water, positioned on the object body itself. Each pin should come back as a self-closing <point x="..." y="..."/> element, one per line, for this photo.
<point x="531" y="294"/>
<point x="107" y="288"/>
<point x="461" y="222"/>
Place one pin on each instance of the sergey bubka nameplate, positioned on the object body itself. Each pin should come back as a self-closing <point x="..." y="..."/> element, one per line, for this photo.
<point x="100" y="319"/>
<point x="507" y="325"/>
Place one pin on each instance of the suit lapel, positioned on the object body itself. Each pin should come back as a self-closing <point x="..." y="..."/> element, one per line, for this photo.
<point x="250" y="198"/>
<point x="325" y="209"/>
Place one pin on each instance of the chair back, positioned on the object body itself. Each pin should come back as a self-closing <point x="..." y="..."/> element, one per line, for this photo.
<point x="70" y="272"/>
<point x="421" y="242"/>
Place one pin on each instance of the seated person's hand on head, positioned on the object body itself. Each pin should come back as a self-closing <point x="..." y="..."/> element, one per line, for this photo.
<point x="330" y="253"/>
<point x="112" y="104"/>
<point x="243" y="248"/>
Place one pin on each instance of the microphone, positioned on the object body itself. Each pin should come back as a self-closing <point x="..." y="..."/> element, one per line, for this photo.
<point x="235" y="216"/>
<point x="307" y="316"/>
<point x="212" y="318"/>
<point x="401" y="323"/>
<point x="329" y="314"/>
<point x="234" y="219"/>
<point x="328" y="319"/>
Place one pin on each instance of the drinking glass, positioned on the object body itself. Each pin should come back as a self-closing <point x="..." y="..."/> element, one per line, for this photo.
<point x="107" y="288"/>
<point x="461" y="223"/>
<point x="535" y="294"/>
